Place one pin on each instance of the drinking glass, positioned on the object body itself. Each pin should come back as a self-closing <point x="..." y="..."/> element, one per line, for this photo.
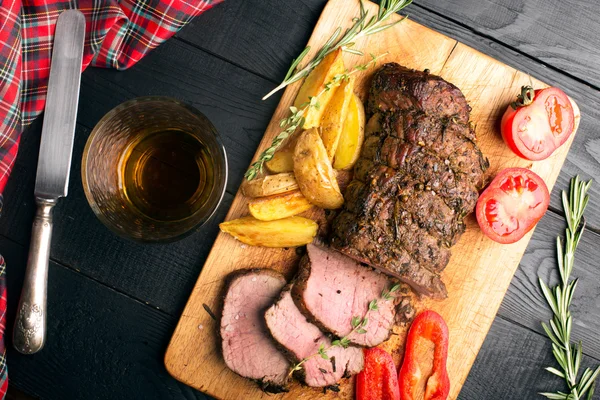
<point x="142" y="130"/>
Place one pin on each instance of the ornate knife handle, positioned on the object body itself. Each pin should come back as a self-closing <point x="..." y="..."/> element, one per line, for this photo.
<point x="29" y="333"/>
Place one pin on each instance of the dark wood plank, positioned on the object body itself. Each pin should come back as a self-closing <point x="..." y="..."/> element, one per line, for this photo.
<point x="100" y="344"/>
<point x="260" y="36"/>
<point x="279" y="47"/>
<point x="229" y="96"/>
<point x="524" y="302"/>
<point x="162" y="275"/>
<point x="564" y="34"/>
<point x="15" y="394"/>
<point x="510" y="365"/>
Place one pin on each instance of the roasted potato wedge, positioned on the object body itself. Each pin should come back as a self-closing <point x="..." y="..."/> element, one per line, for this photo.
<point x="314" y="84"/>
<point x="332" y="121"/>
<point x="270" y="185"/>
<point x="314" y="173"/>
<point x="283" y="159"/>
<point x="278" y="206"/>
<point x="352" y="137"/>
<point x="287" y="232"/>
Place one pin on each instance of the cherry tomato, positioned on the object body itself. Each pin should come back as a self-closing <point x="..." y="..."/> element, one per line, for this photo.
<point x="512" y="204"/>
<point x="538" y="123"/>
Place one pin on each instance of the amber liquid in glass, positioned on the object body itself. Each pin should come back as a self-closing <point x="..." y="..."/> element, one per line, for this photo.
<point x="167" y="175"/>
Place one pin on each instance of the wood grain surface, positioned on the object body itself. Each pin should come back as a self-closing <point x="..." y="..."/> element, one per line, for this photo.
<point x="480" y="271"/>
<point x="232" y="55"/>
<point x="523" y="24"/>
<point x="103" y="339"/>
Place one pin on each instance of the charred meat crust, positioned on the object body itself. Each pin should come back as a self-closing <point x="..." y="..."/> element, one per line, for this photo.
<point x="270" y="387"/>
<point x="417" y="178"/>
<point x="397" y="88"/>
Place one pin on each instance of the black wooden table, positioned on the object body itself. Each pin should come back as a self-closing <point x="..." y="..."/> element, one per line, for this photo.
<point x="113" y="304"/>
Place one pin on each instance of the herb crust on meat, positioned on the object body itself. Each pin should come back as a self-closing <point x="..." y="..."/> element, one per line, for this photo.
<point x="418" y="177"/>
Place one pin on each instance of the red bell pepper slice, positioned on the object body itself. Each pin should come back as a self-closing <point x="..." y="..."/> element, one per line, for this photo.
<point x="427" y="328"/>
<point x="378" y="380"/>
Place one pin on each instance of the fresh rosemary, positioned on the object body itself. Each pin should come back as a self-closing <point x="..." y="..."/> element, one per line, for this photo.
<point x="295" y="118"/>
<point x="358" y="326"/>
<point x="359" y="29"/>
<point x="567" y="354"/>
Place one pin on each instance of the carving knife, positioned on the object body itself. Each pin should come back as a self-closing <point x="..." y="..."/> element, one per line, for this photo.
<point x="52" y="180"/>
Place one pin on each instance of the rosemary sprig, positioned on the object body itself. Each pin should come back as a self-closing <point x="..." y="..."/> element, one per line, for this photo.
<point x="360" y="28"/>
<point x="358" y="326"/>
<point x="567" y="354"/>
<point x="295" y="118"/>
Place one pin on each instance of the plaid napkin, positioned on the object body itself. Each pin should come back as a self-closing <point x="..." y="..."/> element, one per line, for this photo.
<point x="118" y="34"/>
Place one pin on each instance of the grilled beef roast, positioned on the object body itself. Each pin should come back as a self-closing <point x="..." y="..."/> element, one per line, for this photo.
<point x="417" y="178"/>
<point x="248" y="348"/>
<point x="300" y="339"/>
<point x="331" y="288"/>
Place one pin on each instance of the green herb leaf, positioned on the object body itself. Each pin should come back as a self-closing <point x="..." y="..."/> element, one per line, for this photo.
<point x="568" y="355"/>
<point x="554" y="396"/>
<point x="322" y="352"/>
<point x="336" y="41"/>
<point x="555" y="372"/>
<point x="373" y="305"/>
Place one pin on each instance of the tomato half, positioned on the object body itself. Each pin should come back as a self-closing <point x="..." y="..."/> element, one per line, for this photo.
<point x="538" y="123"/>
<point x="512" y="204"/>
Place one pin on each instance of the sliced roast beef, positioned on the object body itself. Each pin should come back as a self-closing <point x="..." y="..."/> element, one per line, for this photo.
<point x="302" y="340"/>
<point x="331" y="289"/>
<point x="416" y="179"/>
<point x="248" y="348"/>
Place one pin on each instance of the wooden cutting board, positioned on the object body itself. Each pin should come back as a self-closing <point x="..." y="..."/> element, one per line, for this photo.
<point x="480" y="270"/>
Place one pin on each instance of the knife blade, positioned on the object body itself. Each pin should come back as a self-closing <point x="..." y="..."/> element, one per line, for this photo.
<point x="52" y="179"/>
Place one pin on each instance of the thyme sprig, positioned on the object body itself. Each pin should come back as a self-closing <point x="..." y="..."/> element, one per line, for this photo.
<point x="358" y="326"/>
<point x="295" y="118"/>
<point x="361" y="27"/>
<point x="567" y="354"/>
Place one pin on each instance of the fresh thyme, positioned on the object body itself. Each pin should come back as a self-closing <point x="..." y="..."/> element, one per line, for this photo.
<point x="359" y="29"/>
<point x="358" y="326"/>
<point x="567" y="354"/>
<point x="295" y="119"/>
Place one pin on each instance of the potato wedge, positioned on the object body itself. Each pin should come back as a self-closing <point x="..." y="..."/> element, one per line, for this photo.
<point x="332" y="121"/>
<point x="270" y="185"/>
<point x="283" y="159"/>
<point x="278" y="206"/>
<point x="314" y="84"/>
<point x="314" y="173"/>
<point x="287" y="232"/>
<point x="353" y="135"/>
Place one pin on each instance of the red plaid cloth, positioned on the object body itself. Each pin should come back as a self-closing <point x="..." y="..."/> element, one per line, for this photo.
<point x="118" y="34"/>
